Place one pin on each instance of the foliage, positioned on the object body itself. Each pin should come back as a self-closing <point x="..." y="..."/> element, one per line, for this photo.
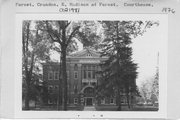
<point x="149" y="89"/>
<point x="35" y="50"/>
<point x="119" y="70"/>
<point x="65" y="33"/>
<point x="90" y="33"/>
<point x="155" y="85"/>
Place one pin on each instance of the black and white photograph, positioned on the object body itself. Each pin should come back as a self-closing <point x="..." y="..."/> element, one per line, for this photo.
<point x="91" y="65"/>
<point x="89" y="59"/>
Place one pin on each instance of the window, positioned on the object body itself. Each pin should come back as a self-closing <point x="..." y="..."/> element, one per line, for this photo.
<point x="123" y="100"/>
<point x="103" y="101"/>
<point x="121" y="91"/>
<point x="56" y="75"/>
<point x="75" y="74"/>
<point x="89" y="67"/>
<point x="89" y="74"/>
<point x="50" y="88"/>
<point x="75" y="67"/>
<point x="89" y="55"/>
<point x="75" y="89"/>
<point x="82" y="100"/>
<point x="85" y="74"/>
<point x="56" y="87"/>
<point x="84" y="84"/>
<point x="111" y="101"/>
<point x="93" y="83"/>
<point x="93" y="74"/>
<point x="50" y="75"/>
<point x="50" y="101"/>
<point x="75" y="101"/>
<point x="84" y="67"/>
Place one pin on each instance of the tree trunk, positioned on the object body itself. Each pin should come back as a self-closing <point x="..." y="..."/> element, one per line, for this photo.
<point x="27" y="101"/>
<point x="127" y="96"/>
<point x="27" y="92"/>
<point x="25" y="50"/>
<point x="118" y="100"/>
<point x="60" y="92"/>
<point x="64" y="78"/>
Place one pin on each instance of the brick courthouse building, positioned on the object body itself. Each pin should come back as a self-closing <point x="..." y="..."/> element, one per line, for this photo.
<point x="82" y="79"/>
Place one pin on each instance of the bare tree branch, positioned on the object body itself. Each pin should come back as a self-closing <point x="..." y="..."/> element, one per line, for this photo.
<point x="53" y="33"/>
<point x="72" y="34"/>
<point x="68" y="23"/>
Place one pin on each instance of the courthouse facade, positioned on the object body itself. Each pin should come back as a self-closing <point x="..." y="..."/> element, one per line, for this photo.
<point x="82" y="67"/>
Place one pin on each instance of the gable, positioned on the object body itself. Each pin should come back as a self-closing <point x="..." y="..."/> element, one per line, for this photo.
<point x="85" y="53"/>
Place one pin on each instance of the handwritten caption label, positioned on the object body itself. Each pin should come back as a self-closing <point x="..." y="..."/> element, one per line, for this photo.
<point x="168" y="10"/>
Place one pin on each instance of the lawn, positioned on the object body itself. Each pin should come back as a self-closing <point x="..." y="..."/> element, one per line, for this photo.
<point x="145" y="108"/>
<point x="125" y="108"/>
<point x="110" y="108"/>
<point x="54" y="108"/>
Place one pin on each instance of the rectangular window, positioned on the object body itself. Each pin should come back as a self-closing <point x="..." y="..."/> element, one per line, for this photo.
<point x="75" y="74"/>
<point x="75" y="89"/>
<point x="56" y="75"/>
<point x="89" y="74"/>
<point x="50" y="101"/>
<point x="85" y="74"/>
<point x="75" y="101"/>
<point x="89" y="67"/>
<point x="82" y="100"/>
<point x="93" y="74"/>
<point x="50" y="88"/>
<point x="56" y="87"/>
<point x="111" y="101"/>
<point x="123" y="100"/>
<point x="93" y="67"/>
<point x="50" y="75"/>
<point x="103" y="101"/>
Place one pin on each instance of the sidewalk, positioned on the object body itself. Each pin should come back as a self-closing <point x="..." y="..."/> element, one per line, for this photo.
<point x="89" y="108"/>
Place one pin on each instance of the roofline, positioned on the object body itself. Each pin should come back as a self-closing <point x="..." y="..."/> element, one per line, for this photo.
<point x="51" y="63"/>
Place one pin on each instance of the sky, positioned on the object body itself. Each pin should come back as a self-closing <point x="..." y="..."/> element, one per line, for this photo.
<point x="145" y="53"/>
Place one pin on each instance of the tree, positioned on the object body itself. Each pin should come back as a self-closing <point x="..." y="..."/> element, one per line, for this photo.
<point x="34" y="49"/>
<point x="62" y="33"/>
<point x="119" y="70"/>
<point x="90" y="33"/>
<point x="155" y="85"/>
<point x="149" y="89"/>
<point x="145" y="89"/>
<point x="65" y="34"/>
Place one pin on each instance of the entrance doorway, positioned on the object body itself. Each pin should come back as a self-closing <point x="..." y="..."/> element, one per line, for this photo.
<point x="89" y="101"/>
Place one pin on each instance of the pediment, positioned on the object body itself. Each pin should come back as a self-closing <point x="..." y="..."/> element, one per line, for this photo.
<point x="85" y="53"/>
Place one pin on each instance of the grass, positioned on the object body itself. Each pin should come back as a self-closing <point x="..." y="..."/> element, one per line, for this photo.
<point x="145" y="108"/>
<point x="125" y="108"/>
<point x="54" y="108"/>
<point x="98" y="108"/>
<point x="110" y="108"/>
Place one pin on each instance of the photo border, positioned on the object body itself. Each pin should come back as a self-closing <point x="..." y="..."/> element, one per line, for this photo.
<point x="161" y="113"/>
